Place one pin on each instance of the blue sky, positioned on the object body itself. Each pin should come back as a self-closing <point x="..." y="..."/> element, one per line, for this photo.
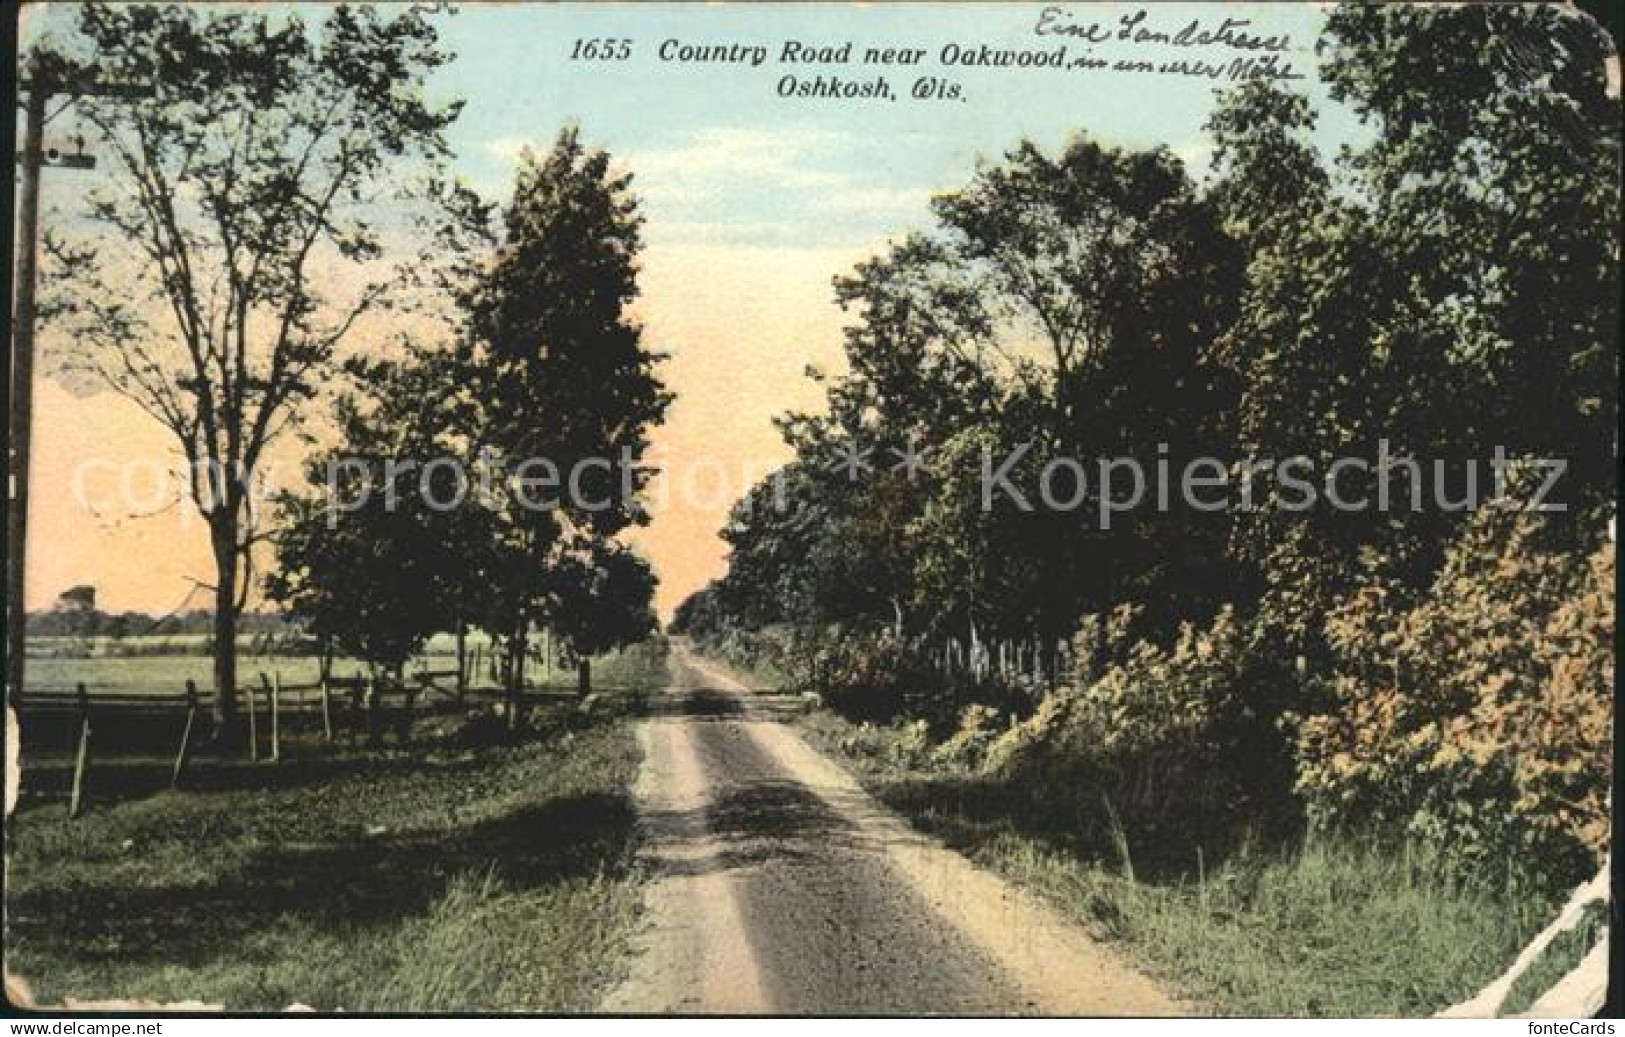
<point x="720" y="157"/>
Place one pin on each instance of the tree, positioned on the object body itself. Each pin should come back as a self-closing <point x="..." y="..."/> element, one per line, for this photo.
<point x="78" y="598"/>
<point x="394" y="548"/>
<point x="1493" y="176"/>
<point x="76" y="613"/>
<point x="982" y="563"/>
<point x="566" y="389"/>
<point x="773" y="535"/>
<point x="356" y="584"/>
<point x="1447" y="288"/>
<point x="246" y="185"/>
<point x="1093" y="258"/>
<point x="1301" y="346"/>
<point x="603" y="601"/>
<point x="701" y="614"/>
<point x="1064" y="305"/>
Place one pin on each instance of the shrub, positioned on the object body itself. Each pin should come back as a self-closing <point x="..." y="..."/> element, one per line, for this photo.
<point x="875" y="678"/>
<point x="1168" y="739"/>
<point x="764" y="652"/>
<point x="1103" y="640"/>
<point x="865" y="680"/>
<point x="1478" y="717"/>
<point x="966" y="749"/>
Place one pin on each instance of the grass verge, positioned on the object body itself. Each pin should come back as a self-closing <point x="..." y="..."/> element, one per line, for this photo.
<point x="493" y="879"/>
<point x="1330" y="928"/>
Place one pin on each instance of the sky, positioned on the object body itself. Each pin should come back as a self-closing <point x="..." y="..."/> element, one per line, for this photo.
<point x="753" y="203"/>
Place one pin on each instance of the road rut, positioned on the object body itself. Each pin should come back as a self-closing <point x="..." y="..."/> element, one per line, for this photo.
<point x="782" y="887"/>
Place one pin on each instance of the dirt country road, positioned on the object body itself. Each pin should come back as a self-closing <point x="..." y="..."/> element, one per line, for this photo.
<point x="781" y="887"/>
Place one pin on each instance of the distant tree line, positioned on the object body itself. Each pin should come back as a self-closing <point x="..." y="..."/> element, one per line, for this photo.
<point x="75" y="614"/>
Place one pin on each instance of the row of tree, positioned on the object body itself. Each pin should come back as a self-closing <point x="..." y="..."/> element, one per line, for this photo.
<point x="75" y="614"/>
<point x="1445" y="289"/>
<point x="282" y="191"/>
<point x="425" y="522"/>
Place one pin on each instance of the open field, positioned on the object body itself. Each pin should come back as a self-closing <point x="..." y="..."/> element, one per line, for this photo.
<point x="456" y="876"/>
<point x="57" y="646"/>
<point x="167" y="674"/>
<point x="1300" y="929"/>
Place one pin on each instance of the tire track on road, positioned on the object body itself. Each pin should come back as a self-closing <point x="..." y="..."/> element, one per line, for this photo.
<point x="782" y="887"/>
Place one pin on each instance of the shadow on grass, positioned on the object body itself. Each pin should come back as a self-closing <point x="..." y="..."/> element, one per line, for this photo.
<point x="1161" y="845"/>
<point x="121" y="774"/>
<point x="710" y="704"/>
<point x="364" y="884"/>
<point x="111" y="781"/>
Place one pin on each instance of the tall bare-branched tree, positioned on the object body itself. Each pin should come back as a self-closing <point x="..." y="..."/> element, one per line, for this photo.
<point x="251" y="204"/>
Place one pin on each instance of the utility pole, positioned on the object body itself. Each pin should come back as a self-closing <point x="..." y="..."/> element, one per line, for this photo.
<point x="48" y="75"/>
<point x="24" y="315"/>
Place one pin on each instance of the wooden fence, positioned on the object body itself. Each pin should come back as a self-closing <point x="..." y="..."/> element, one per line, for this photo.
<point x="357" y="707"/>
<point x="1037" y="660"/>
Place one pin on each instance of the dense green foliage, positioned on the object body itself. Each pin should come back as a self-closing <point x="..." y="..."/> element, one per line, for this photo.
<point x="1438" y="300"/>
<point x="480" y="484"/>
<point x="1478" y="716"/>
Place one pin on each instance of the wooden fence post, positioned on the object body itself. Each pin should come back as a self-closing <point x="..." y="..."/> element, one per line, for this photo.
<point x="357" y="708"/>
<point x="273" y="688"/>
<point x="185" y="753"/>
<point x="372" y="711"/>
<point x="253" y="725"/>
<point x="404" y="729"/>
<point x="327" y="711"/>
<point x="81" y="762"/>
<point x="462" y="663"/>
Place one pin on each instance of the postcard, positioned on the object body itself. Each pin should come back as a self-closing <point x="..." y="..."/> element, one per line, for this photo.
<point x="889" y="509"/>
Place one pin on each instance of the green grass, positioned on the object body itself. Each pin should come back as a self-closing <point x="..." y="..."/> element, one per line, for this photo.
<point x="167" y="674"/>
<point x="1329" y="928"/>
<point x="757" y="674"/>
<point x="498" y="878"/>
<point x="1561" y="956"/>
